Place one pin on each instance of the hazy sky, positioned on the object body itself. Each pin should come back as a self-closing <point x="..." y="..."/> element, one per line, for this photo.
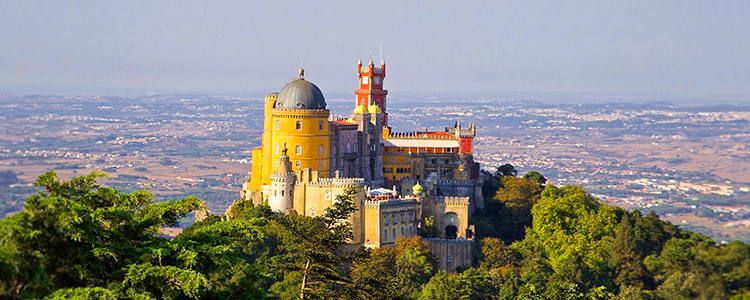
<point x="683" y="47"/>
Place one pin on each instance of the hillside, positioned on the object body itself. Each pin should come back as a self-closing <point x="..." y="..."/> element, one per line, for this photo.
<point x="77" y="239"/>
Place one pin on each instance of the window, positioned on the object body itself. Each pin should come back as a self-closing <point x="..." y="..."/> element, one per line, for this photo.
<point x="277" y="162"/>
<point x="348" y="147"/>
<point x="312" y="212"/>
<point x="402" y="218"/>
<point x="402" y="231"/>
<point x="298" y="125"/>
<point x="465" y="173"/>
<point x="297" y="164"/>
<point x="395" y="219"/>
<point x="282" y="193"/>
<point x="393" y="159"/>
<point x="328" y="195"/>
<point x="320" y="150"/>
<point x="298" y="150"/>
<point x="278" y="124"/>
<point x="320" y="125"/>
<point x="334" y="150"/>
<point x="394" y="233"/>
<point x="411" y="231"/>
<point x="320" y="164"/>
<point x="276" y="149"/>
<point x="385" y="234"/>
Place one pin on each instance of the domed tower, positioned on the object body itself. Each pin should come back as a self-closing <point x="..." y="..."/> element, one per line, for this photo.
<point x="281" y="196"/>
<point x="295" y="116"/>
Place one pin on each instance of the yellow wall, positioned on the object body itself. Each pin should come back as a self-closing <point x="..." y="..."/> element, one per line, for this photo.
<point x="310" y="137"/>
<point x="391" y="164"/>
<point x="255" y="175"/>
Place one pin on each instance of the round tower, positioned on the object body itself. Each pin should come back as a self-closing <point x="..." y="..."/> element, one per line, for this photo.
<point x="300" y="120"/>
<point x="281" y="196"/>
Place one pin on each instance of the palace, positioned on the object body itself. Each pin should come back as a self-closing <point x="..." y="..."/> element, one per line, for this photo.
<point x="406" y="177"/>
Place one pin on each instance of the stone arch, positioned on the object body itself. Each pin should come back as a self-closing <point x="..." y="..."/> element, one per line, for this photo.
<point x="450" y="222"/>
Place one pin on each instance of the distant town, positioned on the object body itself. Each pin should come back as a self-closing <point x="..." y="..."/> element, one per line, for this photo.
<point x="688" y="163"/>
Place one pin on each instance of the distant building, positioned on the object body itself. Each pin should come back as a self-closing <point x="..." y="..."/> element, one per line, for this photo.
<point x="307" y="159"/>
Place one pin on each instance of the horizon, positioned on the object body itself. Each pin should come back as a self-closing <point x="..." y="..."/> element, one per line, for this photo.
<point x="694" y="49"/>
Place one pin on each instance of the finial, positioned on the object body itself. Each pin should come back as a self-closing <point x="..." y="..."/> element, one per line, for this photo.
<point x="301" y="70"/>
<point x="371" y="58"/>
<point x="359" y="61"/>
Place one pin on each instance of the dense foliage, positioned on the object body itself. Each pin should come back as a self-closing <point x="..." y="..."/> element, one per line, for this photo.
<point x="76" y="239"/>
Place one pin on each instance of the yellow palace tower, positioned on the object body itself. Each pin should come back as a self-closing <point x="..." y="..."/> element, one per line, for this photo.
<point x="295" y="118"/>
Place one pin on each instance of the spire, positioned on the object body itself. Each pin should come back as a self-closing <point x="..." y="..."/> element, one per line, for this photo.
<point x="371" y="63"/>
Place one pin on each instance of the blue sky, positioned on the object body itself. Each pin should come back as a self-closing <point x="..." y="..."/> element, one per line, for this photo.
<point x="674" y="47"/>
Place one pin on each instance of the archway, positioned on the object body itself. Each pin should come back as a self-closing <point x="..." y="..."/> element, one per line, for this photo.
<point x="450" y="223"/>
<point x="451" y="232"/>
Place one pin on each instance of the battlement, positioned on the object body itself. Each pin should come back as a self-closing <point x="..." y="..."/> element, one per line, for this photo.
<point x="375" y="204"/>
<point x="421" y="135"/>
<point x="470" y="183"/>
<point x="460" y="201"/>
<point x="282" y="177"/>
<point x="457" y="131"/>
<point x="337" y="182"/>
<point x="300" y="113"/>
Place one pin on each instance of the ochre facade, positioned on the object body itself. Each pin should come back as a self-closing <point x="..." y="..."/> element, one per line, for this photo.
<point x="307" y="159"/>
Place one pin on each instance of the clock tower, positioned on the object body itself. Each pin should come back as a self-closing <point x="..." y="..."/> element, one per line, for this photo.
<point x="371" y="90"/>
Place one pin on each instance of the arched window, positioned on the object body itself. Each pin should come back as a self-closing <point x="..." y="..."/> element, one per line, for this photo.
<point x="312" y="212"/>
<point x="320" y="150"/>
<point x="320" y="125"/>
<point x="282" y="193"/>
<point x="385" y="234"/>
<point x="278" y="124"/>
<point x="402" y="231"/>
<point x="393" y="159"/>
<point x="320" y="164"/>
<point x="276" y="149"/>
<point x="348" y="147"/>
<point x="298" y="149"/>
<point x="394" y="233"/>
<point x="298" y="125"/>
<point x="297" y="164"/>
<point x="411" y="231"/>
<point x="334" y="150"/>
<point x="328" y="195"/>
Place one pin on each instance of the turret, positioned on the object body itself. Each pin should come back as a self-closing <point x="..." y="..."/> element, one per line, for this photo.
<point x="281" y="196"/>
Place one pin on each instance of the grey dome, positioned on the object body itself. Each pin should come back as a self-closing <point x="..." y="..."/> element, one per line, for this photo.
<point x="301" y="94"/>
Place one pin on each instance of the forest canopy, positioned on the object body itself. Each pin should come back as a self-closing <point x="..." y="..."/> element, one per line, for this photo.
<point x="77" y="240"/>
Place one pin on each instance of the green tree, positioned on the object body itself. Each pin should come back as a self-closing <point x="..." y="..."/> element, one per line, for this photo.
<point x="314" y="245"/>
<point x="535" y="177"/>
<point x="506" y="170"/>
<point x="566" y="220"/>
<point x="77" y="238"/>
<point x="395" y="273"/>
<point x="628" y="265"/>
<point x="429" y="230"/>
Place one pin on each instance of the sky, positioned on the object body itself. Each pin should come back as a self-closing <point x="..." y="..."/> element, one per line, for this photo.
<point x="110" y="47"/>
